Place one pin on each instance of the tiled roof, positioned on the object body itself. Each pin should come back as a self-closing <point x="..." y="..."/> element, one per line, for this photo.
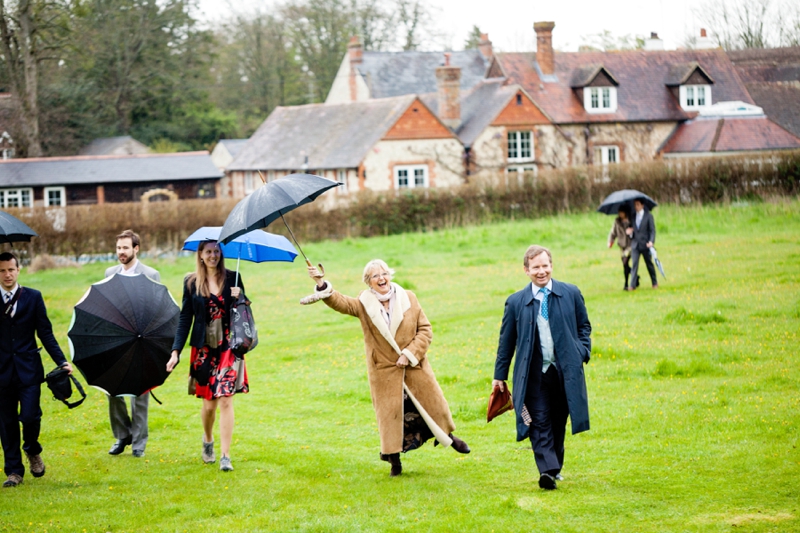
<point x="680" y="72"/>
<point x="107" y="145"/>
<point x="714" y="134"/>
<point x="780" y="102"/>
<point x="767" y="64"/>
<point x="479" y="107"/>
<point x="232" y="145"/>
<point x="642" y="94"/>
<point x="332" y="136"/>
<point x="583" y="76"/>
<point x="107" y="169"/>
<point x="398" y="73"/>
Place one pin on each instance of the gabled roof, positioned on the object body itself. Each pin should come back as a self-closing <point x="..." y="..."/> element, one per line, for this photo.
<point x="232" y="145"/>
<point x="780" y="102"/>
<point x="479" y="107"/>
<point x="583" y="76"/>
<point x="79" y="170"/>
<point x="680" y="73"/>
<point x="642" y="94"/>
<point x="330" y="135"/>
<point x="397" y="73"/>
<point x="740" y="134"/>
<point x="107" y="145"/>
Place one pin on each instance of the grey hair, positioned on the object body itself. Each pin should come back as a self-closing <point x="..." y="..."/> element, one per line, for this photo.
<point x="377" y="263"/>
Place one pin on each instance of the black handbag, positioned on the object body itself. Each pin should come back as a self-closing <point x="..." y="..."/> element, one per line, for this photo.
<point x="243" y="336"/>
<point x="58" y="381"/>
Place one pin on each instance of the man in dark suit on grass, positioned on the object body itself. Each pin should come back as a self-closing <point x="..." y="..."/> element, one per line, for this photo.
<point x="643" y="238"/>
<point x="547" y="325"/>
<point x="24" y="317"/>
<point x="129" y="430"/>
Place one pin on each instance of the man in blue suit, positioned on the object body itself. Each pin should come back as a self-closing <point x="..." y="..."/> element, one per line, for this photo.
<point x="24" y="317"/>
<point x="547" y="325"/>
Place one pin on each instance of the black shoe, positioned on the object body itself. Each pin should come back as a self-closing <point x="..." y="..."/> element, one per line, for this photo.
<point x="547" y="482"/>
<point x="394" y="460"/>
<point x="138" y="453"/>
<point x="459" y="445"/>
<point x="120" y="445"/>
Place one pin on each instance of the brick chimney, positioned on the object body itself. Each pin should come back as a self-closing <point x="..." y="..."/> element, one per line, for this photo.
<point x="485" y="46"/>
<point x="704" y="42"/>
<point x="448" y="85"/>
<point x="654" y="42"/>
<point x="544" y="46"/>
<point x="355" y="54"/>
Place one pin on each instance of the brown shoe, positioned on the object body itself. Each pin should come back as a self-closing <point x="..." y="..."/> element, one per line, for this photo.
<point x="37" y="465"/>
<point x="12" y="481"/>
<point x="459" y="445"/>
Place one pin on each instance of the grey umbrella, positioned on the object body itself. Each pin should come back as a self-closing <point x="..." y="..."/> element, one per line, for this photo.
<point x="625" y="197"/>
<point x="13" y="229"/>
<point x="271" y="201"/>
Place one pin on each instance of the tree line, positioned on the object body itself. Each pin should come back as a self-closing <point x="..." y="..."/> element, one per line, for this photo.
<point x="78" y="70"/>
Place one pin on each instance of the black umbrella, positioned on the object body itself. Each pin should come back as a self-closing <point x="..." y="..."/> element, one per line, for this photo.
<point x="625" y="197"/>
<point x="13" y="229"/>
<point x="121" y="334"/>
<point x="271" y="201"/>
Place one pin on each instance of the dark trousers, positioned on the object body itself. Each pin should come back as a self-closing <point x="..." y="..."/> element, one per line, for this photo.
<point x="549" y="414"/>
<point x="19" y="404"/>
<point x="648" y="261"/>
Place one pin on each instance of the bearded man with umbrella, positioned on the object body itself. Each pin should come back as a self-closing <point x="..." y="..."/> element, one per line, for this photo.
<point x="129" y="430"/>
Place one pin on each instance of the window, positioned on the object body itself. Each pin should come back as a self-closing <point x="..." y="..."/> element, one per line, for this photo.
<point x="205" y="190"/>
<point x="16" y="197"/>
<point x="55" y="197"/>
<point x="341" y="177"/>
<point x="695" y="96"/>
<point x="600" y="99"/>
<point x="606" y="155"/>
<point x="249" y="182"/>
<point x="411" y="176"/>
<point x="522" y="171"/>
<point x="520" y="146"/>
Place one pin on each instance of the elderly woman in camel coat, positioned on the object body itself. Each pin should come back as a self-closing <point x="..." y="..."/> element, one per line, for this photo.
<point x="408" y="401"/>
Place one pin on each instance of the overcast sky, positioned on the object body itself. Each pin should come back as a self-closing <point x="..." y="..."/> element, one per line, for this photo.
<point x="509" y="23"/>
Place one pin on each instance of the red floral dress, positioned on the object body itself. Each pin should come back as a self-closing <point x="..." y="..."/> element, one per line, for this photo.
<point x="217" y="370"/>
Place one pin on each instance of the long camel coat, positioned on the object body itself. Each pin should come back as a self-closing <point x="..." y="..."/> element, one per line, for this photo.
<point x="411" y="335"/>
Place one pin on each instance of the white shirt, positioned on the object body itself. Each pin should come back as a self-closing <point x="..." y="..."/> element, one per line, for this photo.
<point x="7" y="295"/>
<point x="130" y="271"/>
<point x="545" y="335"/>
<point x="639" y="215"/>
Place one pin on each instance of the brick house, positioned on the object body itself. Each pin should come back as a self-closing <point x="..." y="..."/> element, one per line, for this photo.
<point x="61" y="181"/>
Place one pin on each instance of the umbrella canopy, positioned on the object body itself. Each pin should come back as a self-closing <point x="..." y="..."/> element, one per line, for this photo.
<point x="654" y="255"/>
<point x="625" y="197"/>
<point x="13" y="229"/>
<point x="256" y="246"/>
<point x="271" y="201"/>
<point x="121" y="334"/>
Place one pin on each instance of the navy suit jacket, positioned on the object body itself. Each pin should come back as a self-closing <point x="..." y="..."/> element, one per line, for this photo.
<point x="18" y="349"/>
<point x="572" y="343"/>
<point x="646" y="232"/>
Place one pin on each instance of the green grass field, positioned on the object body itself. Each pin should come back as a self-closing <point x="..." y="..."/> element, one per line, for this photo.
<point x="693" y="388"/>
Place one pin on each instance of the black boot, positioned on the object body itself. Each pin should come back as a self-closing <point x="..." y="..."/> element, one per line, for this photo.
<point x="394" y="460"/>
<point x="459" y="445"/>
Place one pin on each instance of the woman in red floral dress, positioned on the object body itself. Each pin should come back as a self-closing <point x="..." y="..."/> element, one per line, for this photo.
<point x="216" y="374"/>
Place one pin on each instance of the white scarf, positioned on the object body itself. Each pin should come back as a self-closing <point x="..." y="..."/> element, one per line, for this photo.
<point x="390" y="297"/>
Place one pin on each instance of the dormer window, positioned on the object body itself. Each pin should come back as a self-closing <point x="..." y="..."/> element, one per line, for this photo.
<point x="600" y="99"/>
<point x="695" y="96"/>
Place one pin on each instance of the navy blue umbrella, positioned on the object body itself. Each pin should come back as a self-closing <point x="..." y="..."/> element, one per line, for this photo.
<point x="625" y="197"/>
<point x="13" y="229"/>
<point x="271" y="201"/>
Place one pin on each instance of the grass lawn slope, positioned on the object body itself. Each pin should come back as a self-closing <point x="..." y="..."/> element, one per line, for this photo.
<point x="693" y="392"/>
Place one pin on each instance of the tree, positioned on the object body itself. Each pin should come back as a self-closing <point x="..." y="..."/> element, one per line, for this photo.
<point x="737" y="24"/>
<point x="31" y="31"/>
<point x="607" y="41"/>
<point x="473" y="38"/>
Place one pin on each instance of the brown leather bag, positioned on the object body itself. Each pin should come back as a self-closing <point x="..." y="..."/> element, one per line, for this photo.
<point x="499" y="403"/>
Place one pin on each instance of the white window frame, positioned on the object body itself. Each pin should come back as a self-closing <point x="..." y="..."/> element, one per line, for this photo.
<point x="690" y="96"/>
<point x="341" y="177"/>
<point x="604" y="97"/>
<point x="249" y="181"/>
<point x="517" y="149"/>
<point x="19" y="194"/>
<point x="609" y="155"/>
<point x="62" y="191"/>
<point x="410" y="176"/>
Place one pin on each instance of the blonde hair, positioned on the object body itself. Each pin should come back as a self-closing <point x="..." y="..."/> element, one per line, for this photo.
<point x="200" y="276"/>
<point x="377" y="263"/>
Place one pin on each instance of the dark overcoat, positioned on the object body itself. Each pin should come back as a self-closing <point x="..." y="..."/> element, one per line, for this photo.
<point x="571" y="330"/>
